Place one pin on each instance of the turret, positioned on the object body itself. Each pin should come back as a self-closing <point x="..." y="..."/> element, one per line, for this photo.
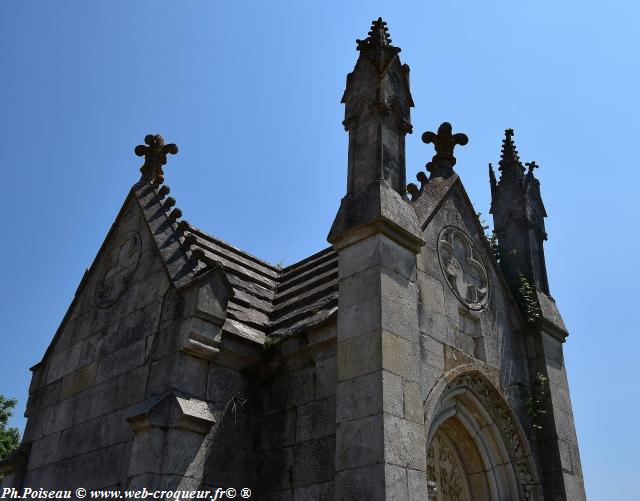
<point x="518" y="217"/>
<point x="377" y="113"/>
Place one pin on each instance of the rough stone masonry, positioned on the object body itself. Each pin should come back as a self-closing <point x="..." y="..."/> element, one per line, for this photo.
<point x="414" y="359"/>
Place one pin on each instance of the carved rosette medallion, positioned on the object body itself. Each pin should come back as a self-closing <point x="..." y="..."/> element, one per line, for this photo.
<point x="463" y="267"/>
<point x="121" y="264"/>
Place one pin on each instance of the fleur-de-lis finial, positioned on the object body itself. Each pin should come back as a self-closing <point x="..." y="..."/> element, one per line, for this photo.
<point x="444" y="142"/>
<point x="531" y="165"/>
<point x="508" y="133"/>
<point x="155" y="156"/>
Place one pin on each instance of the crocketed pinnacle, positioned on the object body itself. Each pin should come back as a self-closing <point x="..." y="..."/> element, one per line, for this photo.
<point x="378" y="38"/>
<point x="509" y="159"/>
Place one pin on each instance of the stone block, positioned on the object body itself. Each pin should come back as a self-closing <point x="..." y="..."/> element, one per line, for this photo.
<point x="44" y="397"/>
<point x="64" y="363"/>
<point x="361" y="484"/>
<point x="315" y="492"/>
<point x="370" y="394"/>
<point x="413" y="402"/>
<point x="185" y="453"/>
<point x="316" y="419"/>
<point x="95" y="401"/>
<point x="395" y="483"/>
<point x="78" y="381"/>
<point x="313" y="461"/>
<point x="43" y="451"/>
<point x="290" y="390"/>
<point x="361" y="286"/>
<point x="432" y="351"/>
<point x="115" y="428"/>
<point x="397" y="258"/>
<point x="230" y="466"/>
<point x="358" y="257"/>
<point x="147" y="452"/>
<point x="48" y="477"/>
<point x="359" y="355"/>
<point x="223" y="382"/>
<point x="131" y="387"/>
<point x="121" y="361"/>
<point x="190" y="375"/>
<point x="359" y="442"/>
<point x="80" y="439"/>
<point x="359" y="318"/>
<point x="431" y="293"/>
<point x="92" y="345"/>
<point x="400" y="318"/>
<point x="326" y="377"/>
<point x="97" y="469"/>
<point x="276" y="469"/>
<point x="400" y="356"/>
<point x="404" y="443"/>
<point x="416" y="485"/>
<point x="61" y="415"/>
<point x="278" y="430"/>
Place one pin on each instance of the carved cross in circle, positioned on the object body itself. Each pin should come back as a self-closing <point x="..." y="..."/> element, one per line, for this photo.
<point x="463" y="268"/>
<point x="118" y="270"/>
<point x="155" y="155"/>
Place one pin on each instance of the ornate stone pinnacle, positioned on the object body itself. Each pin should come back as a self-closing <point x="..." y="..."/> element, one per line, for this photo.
<point x="155" y="156"/>
<point x="508" y="133"/>
<point x="444" y="142"/>
<point x="378" y="39"/>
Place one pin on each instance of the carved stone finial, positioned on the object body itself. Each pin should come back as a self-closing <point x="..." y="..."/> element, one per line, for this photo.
<point x="155" y="156"/>
<point x="444" y="142"/>
<point x="531" y="165"/>
<point x="377" y="39"/>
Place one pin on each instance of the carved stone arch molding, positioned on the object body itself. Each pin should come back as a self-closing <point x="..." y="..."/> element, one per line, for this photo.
<point x="476" y="448"/>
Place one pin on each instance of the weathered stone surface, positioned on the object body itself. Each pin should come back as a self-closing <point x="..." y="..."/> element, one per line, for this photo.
<point x="390" y="356"/>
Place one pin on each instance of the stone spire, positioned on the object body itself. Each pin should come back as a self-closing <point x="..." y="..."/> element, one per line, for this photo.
<point x="510" y="164"/>
<point x="377" y="103"/>
<point x="155" y="156"/>
<point x="518" y="216"/>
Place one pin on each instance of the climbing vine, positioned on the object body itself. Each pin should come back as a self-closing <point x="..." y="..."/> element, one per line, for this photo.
<point x="534" y="397"/>
<point x="528" y="299"/>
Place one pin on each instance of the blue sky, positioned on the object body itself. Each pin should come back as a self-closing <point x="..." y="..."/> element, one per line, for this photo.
<point x="250" y="91"/>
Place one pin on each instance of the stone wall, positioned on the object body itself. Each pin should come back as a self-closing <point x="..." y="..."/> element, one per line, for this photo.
<point x="451" y="333"/>
<point x="96" y="368"/>
<point x="297" y="440"/>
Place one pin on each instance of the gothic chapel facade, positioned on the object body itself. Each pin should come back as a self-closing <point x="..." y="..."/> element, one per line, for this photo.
<point x="413" y="359"/>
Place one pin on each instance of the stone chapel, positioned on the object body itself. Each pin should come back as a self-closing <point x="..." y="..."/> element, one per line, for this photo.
<point x="415" y="358"/>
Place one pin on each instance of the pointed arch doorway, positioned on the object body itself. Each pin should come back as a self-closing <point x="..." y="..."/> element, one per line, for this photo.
<point x="475" y="448"/>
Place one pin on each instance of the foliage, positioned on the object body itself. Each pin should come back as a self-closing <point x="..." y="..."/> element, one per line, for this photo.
<point x="528" y="299"/>
<point x="534" y="397"/>
<point x="9" y="437"/>
<point x="490" y="236"/>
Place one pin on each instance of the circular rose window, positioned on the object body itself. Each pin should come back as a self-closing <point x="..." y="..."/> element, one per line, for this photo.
<point x="118" y="270"/>
<point x="463" y="267"/>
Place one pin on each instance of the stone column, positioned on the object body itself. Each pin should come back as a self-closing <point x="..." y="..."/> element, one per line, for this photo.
<point x="170" y="444"/>
<point x="380" y="442"/>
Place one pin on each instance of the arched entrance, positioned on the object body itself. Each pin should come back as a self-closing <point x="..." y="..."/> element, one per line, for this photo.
<point x="475" y="448"/>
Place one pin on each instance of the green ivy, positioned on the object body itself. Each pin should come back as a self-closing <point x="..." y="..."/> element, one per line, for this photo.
<point x="528" y="299"/>
<point x="534" y="397"/>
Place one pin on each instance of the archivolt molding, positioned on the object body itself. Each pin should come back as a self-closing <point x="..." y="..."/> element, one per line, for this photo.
<point x="481" y="384"/>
